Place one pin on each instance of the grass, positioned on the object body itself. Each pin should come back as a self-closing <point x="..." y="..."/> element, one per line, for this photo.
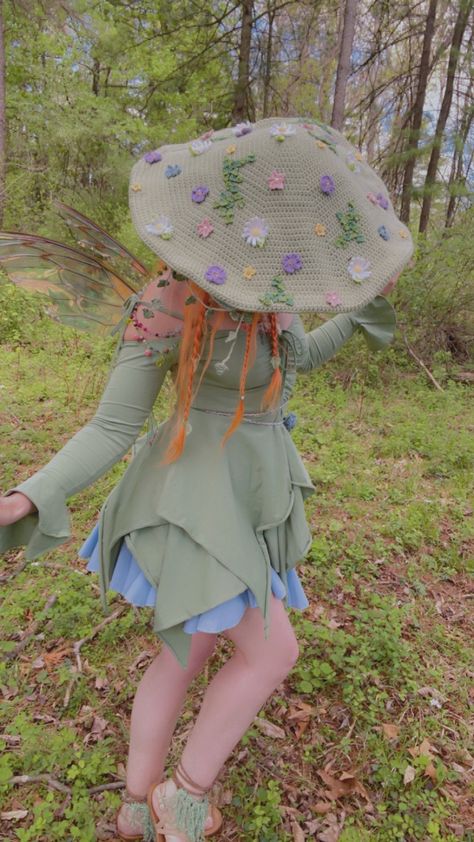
<point x="368" y="738"/>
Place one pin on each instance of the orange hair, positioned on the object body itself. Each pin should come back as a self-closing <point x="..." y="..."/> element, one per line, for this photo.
<point x="194" y="336"/>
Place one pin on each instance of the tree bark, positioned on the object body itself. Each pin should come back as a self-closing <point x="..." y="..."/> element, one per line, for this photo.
<point x="417" y="119"/>
<point x="240" y="110"/>
<point x="268" y="61"/>
<point x="344" y="64"/>
<point x="465" y="8"/>
<point x="3" y="122"/>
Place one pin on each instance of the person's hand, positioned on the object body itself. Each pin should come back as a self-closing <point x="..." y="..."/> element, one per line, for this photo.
<point x="389" y="287"/>
<point x="14" y="507"/>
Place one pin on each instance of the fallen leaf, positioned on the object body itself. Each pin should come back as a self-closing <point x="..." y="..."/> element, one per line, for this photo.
<point x="390" y="731"/>
<point x="101" y="683"/>
<point x="425" y="749"/>
<point x="14" y="815"/>
<point x="298" y="835"/>
<point x="322" y="807"/>
<point x="430" y="772"/>
<point x="269" y="729"/>
<point x="347" y="784"/>
<point x="409" y="775"/>
<point x="333" y="829"/>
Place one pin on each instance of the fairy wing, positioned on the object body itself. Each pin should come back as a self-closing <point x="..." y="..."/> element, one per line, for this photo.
<point x="83" y="291"/>
<point x="99" y="243"/>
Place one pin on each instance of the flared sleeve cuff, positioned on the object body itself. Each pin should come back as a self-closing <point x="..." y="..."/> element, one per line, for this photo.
<point x="45" y="529"/>
<point x="377" y="321"/>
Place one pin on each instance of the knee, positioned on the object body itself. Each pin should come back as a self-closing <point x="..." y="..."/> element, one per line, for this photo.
<point x="281" y="660"/>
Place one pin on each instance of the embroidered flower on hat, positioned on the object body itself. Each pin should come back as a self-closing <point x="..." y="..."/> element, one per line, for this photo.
<point x="200" y="193"/>
<point x="152" y="157"/>
<point x="281" y="130"/>
<point x="242" y="128"/>
<point x="327" y="184"/>
<point x="383" y="232"/>
<point x="358" y="269"/>
<point x="136" y="187"/>
<point x="255" y="231"/>
<point x="249" y="272"/>
<point x="320" y="230"/>
<point x="216" y="275"/>
<point x="321" y="145"/>
<point x="197" y="147"/>
<point x="161" y="228"/>
<point x="382" y="201"/>
<point x="352" y="162"/>
<point x="231" y="149"/>
<point x="205" y="228"/>
<point x="172" y="170"/>
<point x="333" y="299"/>
<point x="372" y="198"/>
<point x="403" y="234"/>
<point x="276" y="180"/>
<point x="358" y="156"/>
<point x="292" y="263"/>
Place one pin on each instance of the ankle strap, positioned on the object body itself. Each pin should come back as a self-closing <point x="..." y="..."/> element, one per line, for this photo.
<point x="183" y="780"/>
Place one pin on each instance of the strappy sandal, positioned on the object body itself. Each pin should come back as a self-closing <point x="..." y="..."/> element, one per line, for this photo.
<point x="182" y="814"/>
<point x="139" y="810"/>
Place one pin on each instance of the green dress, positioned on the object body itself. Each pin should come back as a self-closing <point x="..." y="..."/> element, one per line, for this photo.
<point x="214" y="522"/>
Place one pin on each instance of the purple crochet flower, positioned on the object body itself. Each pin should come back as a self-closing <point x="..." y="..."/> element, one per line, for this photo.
<point x="382" y="201"/>
<point x="242" y="128"/>
<point x="152" y="157"/>
<point x="291" y="263"/>
<point x="327" y="184"/>
<point x="199" y="194"/>
<point x="216" y="275"/>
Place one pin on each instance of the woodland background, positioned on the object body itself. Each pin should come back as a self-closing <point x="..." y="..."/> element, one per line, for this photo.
<point x="370" y="736"/>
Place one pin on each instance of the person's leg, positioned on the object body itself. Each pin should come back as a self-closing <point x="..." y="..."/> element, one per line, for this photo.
<point x="158" y="701"/>
<point x="239" y="690"/>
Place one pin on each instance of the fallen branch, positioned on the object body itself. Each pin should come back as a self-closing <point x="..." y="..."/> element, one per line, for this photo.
<point x="79" y="643"/>
<point x="44" y="778"/>
<point x="422" y="365"/>
<point x="28" y="635"/>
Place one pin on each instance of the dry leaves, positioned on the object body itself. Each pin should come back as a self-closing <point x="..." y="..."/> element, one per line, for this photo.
<point x="301" y="713"/>
<point x="298" y="835"/>
<point x="346" y="784"/>
<point x="409" y="775"/>
<point x="390" y="731"/>
<point x="269" y="729"/>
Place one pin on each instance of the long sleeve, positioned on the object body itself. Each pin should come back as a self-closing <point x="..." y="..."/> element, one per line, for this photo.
<point x="127" y="401"/>
<point x="312" y="349"/>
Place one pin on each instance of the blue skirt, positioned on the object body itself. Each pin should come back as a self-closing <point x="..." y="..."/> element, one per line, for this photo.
<point x="129" y="581"/>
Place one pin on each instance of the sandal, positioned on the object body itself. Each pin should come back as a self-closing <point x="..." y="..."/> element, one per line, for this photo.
<point x="182" y="814"/>
<point x="140" y="816"/>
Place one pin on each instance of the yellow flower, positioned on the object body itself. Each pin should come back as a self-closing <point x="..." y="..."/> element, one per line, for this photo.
<point x="231" y="149"/>
<point x="320" y="144"/>
<point x="320" y="230"/>
<point x="403" y="234"/>
<point x="358" y="156"/>
<point x="136" y="187"/>
<point x="249" y="272"/>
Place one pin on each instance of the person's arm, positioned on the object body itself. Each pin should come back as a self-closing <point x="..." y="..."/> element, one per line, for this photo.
<point x="312" y="349"/>
<point x="124" y="407"/>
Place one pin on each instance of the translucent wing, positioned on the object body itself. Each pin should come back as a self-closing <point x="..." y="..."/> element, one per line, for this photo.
<point x="82" y="291"/>
<point x="95" y="240"/>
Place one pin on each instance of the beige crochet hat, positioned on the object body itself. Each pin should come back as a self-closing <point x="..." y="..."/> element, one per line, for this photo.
<point x="277" y="215"/>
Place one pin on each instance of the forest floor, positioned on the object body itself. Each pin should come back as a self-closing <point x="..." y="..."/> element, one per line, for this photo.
<point x="368" y="738"/>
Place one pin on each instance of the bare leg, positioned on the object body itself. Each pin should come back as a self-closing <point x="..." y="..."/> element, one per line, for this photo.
<point x="156" y="708"/>
<point x="239" y="690"/>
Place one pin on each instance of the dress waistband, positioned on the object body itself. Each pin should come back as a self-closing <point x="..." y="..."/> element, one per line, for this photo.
<point x="249" y="417"/>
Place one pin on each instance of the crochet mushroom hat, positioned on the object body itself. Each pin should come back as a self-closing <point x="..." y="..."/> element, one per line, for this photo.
<point x="280" y="215"/>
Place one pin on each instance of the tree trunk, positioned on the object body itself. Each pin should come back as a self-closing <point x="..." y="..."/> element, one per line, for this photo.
<point x="2" y="120"/>
<point x="417" y="119"/>
<point x="240" y="110"/>
<point x="344" y="64"/>
<point x="268" y="61"/>
<point x="457" y="176"/>
<point x="465" y="7"/>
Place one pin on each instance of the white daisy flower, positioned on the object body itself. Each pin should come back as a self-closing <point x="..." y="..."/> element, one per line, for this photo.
<point x="162" y="227"/>
<point x="197" y="147"/>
